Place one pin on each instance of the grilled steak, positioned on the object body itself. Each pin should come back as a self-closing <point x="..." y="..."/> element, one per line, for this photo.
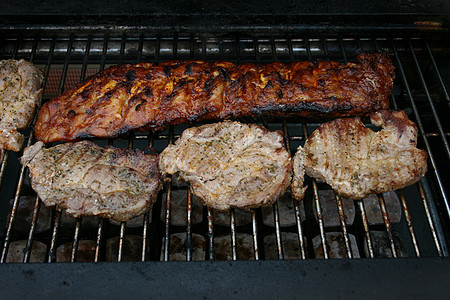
<point x="86" y="179"/>
<point x="230" y="164"/>
<point x="357" y="161"/>
<point x="149" y="96"/>
<point x="20" y="93"/>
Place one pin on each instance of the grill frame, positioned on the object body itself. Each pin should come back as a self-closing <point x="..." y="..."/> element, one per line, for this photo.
<point x="291" y="267"/>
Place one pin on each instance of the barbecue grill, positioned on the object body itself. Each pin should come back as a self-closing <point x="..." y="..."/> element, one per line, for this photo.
<point x="392" y="244"/>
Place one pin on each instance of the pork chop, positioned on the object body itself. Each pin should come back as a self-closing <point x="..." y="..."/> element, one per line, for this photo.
<point x="356" y="161"/>
<point x="20" y="94"/>
<point x="230" y="164"/>
<point x="297" y="188"/>
<point x="86" y="179"/>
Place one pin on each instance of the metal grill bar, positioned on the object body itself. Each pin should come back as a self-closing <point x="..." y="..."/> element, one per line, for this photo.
<point x="255" y="234"/>
<point x="409" y="222"/>
<point x="210" y="234"/>
<point x="298" y="219"/>
<point x="441" y="81"/>
<point x="167" y="219"/>
<point x="340" y="206"/>
<point x="52" y="251"/>
<point x="239" y="49"/>
<point x="98" y="240"/>
<point x="276" y="213"/>
<point x="402" y="197"/>
<point x="57" y="217"/>
<point x="430" y="220"/>
<point x="5" y="153"/>
<point x="75" y="241"/>
<point x="145" y="222"/>
<point x="121" y="238"/>
<point x="430" y="102"/>
<point x="276" y="219"/>
<point x="78" y="222"/>
<point x="17" y="194"/>
<point x="387" y="223"/>
<point x="26" y="255"/>
<point x="421" y="129"/>
<point x="366" y="228"/>
<point x="318" y="208"/>
<point x="342" y="220"/>
<point x="233" y="234"/>
<point x="189" y="227"/>
<point x="36" y="205"/>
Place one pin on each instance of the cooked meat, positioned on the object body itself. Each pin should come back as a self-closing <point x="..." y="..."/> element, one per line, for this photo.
<point x="230" y="164"/>
<point x="20" y="93"/>
<point x="297" y="188"/>
<point x="86" y="179"/>
<point x="357" y="161"/>
<point x="148" y="96"/>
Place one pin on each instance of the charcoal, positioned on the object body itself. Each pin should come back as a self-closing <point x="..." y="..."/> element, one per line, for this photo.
<point x="286" y="212"/>
<point x="88" y="223"/>
<point x="178" y="208"/>
<point x="16" y="252"/>
<point x="241" y="217"/>
<point x="382" y="246"/>
<point x="330" y="212"/>
<point x="177" y="247"/>
<point x="178" y="183"/>
<point x="373" y="209"/>
<point x="244" y="247"/>
<point x="85" y="251"/>
<point x="290" y="244"/>
<point x="134" y="222"/>
<point x="336" y="245"/>
<point x="24" y="214"/>
<point x="131" y="249"/>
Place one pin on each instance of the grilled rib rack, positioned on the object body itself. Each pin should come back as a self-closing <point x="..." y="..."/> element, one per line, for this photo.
<point x="420" y="228"/>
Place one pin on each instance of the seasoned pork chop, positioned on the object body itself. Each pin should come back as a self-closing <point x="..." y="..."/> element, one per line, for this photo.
<point x="86" y="179"/>
<point x="357" y="161"/>
<point x="297" y="188"/>
<point x="230" y="164"/>
<point x="20" y="93"/>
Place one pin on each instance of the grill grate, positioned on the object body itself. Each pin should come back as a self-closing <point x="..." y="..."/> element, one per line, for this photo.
<point x="424" y="208"/>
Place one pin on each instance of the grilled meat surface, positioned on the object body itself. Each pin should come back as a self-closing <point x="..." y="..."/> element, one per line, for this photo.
<point x="86" y="179"/>
<point x="357" y="161"/>
<point x="230" y="164"/>
<point x="20" y="93"/>
<point x="150" y="96"/>
<point x="297" y="188"/>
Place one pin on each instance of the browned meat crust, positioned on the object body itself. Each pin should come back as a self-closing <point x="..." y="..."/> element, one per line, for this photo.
<point x="357" y="161"/>
<point x="149" y="96"/>
<point x="86" y="179"/>
<point x="20" y="94"/>
<point x="231" y="164"/>
<point x="298" y="177"/>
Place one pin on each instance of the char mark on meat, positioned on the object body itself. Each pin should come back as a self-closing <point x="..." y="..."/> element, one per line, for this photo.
<point x="200" y="90"/>
<point x="86" y="179"/>
<point x="357" y="161"/>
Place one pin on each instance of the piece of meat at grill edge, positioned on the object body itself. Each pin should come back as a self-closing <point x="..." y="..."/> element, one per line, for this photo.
<point x="150" y="96"/>
<point x="20" y="93"/>
<point x="86" y="179"/>
<point x="357" y="161"/>
<point x="230" y="164"/>
<point x="298" y="176"/>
